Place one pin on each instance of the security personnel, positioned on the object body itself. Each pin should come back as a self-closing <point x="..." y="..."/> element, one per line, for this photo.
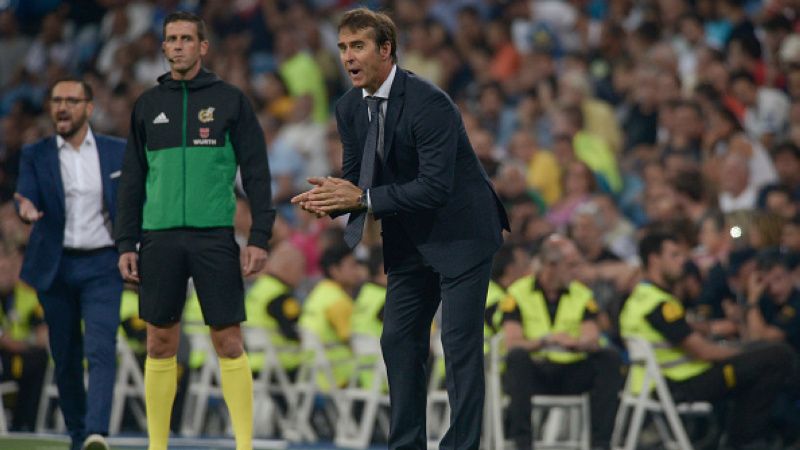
<point x="510" y="263"/>
<point x="272" y="305"/>
<point x="328" y="309"/>
<point x="773" y="302"/>
<point x="552" y="336"/>
<point x="368" y="310"/>
<point x="697" y="369"/>
<point x="23" y="340"/>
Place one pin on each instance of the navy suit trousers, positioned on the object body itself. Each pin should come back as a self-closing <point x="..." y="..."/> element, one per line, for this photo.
<point x="413" y="295"/>
<point x="87" y="287"/>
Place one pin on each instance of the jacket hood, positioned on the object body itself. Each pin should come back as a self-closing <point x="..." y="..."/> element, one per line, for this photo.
<point x="204" y="78"/>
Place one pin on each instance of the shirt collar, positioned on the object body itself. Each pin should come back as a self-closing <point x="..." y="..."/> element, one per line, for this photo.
<point x="386" y="87"/>
<point x="536" y="287"/>
<point x="87" y="141"/>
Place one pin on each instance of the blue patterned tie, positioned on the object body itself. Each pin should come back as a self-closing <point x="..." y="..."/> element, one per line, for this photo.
<point x="355" y="225"/>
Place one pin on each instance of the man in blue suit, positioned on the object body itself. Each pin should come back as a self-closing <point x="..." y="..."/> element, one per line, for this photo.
<point x="67" y="188"/>
<point x="408" y="162"/>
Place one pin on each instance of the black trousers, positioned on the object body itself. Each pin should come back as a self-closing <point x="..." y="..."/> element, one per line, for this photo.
<point x="752" y="379"/>
<point x="413" y="296"/>
<point x="27" y="368"/>
<point x="600" y="374"/>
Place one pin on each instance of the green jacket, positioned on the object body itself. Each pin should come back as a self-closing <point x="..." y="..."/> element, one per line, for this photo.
<point x="186" y="140"/>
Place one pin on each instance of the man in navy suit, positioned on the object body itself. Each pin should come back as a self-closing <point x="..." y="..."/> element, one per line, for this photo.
<point x="408" y="162"/>
<point x="67" y="188"/>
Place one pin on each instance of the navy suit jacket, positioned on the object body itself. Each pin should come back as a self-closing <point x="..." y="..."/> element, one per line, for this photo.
<point x="430" y="191"/>
<point x="40" y="182"/>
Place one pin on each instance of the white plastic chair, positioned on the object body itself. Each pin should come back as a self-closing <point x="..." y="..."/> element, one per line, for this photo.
<point x="129" y="385"/>
<point x="563" y="411"/>
<point x="357" y="434"/>
<point x="48" y="398"/>
<point x="204" y="384"/>
<point x="6" y="387"/>
<point x="306" y="387"/>
<point x="655" y="398"/>
<point x="570" y="411"/>
<point x="271" y="380"/>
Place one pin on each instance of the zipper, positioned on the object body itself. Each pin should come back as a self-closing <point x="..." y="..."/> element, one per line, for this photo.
<point x="183" y="143"/>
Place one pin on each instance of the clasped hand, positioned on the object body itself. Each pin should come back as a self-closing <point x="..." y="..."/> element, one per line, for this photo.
<point x="329" y="195"/>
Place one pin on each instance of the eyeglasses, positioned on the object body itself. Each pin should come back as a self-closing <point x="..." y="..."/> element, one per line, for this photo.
<point x="70" y="101"/>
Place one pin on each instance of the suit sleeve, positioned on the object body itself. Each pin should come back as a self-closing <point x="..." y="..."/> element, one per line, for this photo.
<point x="434" y="125"/>
<point x="131" y="190"/>
<point x="251" y="155"/>
<point x="27" y="184"/>
<point x="351" y="154"/>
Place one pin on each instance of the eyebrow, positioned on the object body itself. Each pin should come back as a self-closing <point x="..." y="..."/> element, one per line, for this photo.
<point x="351" y="43"/>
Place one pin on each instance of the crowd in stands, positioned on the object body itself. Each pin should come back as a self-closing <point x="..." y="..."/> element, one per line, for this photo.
<point x="597" y="120"/>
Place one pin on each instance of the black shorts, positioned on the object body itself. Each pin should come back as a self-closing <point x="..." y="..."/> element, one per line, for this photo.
<point x="167" y="258"/>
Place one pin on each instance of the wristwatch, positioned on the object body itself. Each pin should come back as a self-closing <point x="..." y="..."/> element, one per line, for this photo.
<point x="362" y="200"/>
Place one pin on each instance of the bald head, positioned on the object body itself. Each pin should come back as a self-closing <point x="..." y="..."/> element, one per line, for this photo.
<point x="287" y="263"/>
<point x="560" y="259"/>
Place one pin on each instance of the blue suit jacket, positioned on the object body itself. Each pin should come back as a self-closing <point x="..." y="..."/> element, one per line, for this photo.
<point x="431" y="192"/>
<point x="40" y="182"/>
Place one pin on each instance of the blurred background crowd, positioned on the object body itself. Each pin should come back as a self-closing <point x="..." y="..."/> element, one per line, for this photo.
<point x="595" y="119"/>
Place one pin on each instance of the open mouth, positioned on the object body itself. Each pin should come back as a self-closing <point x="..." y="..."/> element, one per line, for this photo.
<point x="355" y="72"/>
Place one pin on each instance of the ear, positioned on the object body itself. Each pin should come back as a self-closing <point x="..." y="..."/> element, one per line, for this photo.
<point x="386" y="50"/>
<point x="89" y="108"/>
<point x="203" y="48"/>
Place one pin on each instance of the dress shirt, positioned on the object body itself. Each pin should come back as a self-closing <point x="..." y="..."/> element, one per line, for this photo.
<point x="87" y="225"/>
<point x="383" y="93"/>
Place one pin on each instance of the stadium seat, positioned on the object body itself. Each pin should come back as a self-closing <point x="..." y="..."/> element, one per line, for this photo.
<point x="352" y="433"/>
<point x="129" y="385"/>
<point x="655" y="398"/>
<point x="6" y="387"/>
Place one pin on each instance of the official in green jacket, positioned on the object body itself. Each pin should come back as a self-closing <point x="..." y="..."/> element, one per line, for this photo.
<point x="175" y="211"/>
<point x="697" y="369"/>
<point x="553" y="340"/>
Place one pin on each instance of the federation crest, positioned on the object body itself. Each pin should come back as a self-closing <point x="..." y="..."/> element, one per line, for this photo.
<point x="204" y="132"/>
<point x="206" y="115"/>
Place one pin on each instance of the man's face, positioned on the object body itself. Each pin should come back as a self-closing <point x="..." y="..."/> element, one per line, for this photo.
<point x="366" y="64"/>
<point x="778" y="283"/>
<point x="348" y="273"/>
<point x="69" y="108"/>
<point x="671" y="261"/>
<point x="182" y="46"/>
<point x="744" y="92"/>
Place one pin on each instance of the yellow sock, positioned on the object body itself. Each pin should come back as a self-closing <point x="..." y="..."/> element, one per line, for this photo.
<point x="160" y="384"/>
<point x="237" y="389"/>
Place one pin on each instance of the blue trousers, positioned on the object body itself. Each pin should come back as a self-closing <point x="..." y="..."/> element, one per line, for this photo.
<point x="87" y="288"/>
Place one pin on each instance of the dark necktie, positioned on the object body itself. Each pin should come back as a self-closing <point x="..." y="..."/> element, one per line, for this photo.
<point x="355" y="225"/>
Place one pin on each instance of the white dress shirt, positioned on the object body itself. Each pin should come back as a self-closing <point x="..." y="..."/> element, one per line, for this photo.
<point x="87" y="224"/>
<point x="383" y="91"/>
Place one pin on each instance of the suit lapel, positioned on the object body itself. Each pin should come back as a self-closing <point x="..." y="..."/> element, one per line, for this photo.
<point x="105" y="172"/>
<point x="362" y="122"/>
<point x="393" y="110"/>
<point x="54" y="168"/>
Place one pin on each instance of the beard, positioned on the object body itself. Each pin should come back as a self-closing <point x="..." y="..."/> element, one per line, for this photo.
<point x="75" y="124"/>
